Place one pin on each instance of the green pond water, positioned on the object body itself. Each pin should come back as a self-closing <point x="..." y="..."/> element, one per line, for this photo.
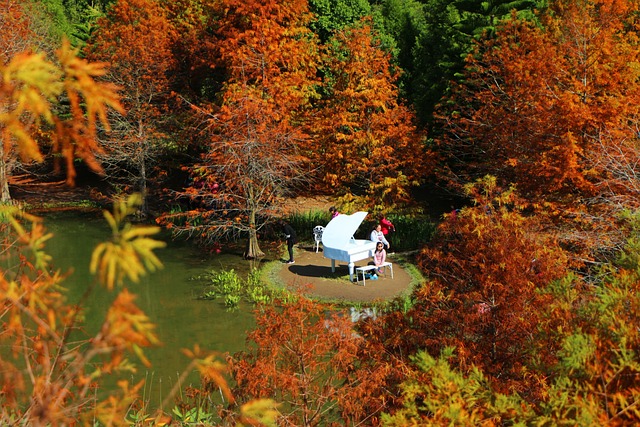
<point x="168" y="297"/>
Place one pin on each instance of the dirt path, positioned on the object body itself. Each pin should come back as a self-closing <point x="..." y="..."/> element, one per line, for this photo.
<point x="314" y="269"/>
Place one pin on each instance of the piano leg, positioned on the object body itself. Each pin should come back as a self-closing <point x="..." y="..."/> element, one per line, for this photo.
<point x="351" y="266"/>
<point x="333" y="265"/>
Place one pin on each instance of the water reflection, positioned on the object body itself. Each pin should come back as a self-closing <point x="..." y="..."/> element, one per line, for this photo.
<point x="168" y="297"/>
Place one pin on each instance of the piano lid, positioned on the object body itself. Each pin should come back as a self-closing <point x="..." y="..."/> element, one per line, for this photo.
<point x="341" y="229"/>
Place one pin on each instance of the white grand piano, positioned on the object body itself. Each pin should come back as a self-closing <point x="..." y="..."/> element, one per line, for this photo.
<point x="338" y="242"/>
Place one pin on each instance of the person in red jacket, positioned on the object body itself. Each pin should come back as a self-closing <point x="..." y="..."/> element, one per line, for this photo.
<point x="386" y="226"/>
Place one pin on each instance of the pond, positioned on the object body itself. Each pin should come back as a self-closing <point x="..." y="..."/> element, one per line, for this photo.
<point x="168" y="297"/>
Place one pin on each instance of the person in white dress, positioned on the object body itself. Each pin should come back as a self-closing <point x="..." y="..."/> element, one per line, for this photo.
<point x="378" y="236"/>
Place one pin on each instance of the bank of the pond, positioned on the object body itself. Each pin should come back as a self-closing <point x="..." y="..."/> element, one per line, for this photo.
<point x="312" y="272"/>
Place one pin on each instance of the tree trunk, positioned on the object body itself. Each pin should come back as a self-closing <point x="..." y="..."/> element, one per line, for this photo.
<point x="5" y="196"/>
<point x="144" y="208"/>
<point x="253" y="249"/>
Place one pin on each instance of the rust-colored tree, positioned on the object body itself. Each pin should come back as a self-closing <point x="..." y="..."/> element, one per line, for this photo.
<point x="553" y="109"/>
<point x="591" y="380"/>
<point x="16" y="35"/>
<point x="252" y="138"/>
<point x="594" y="380"/>
<point x="367" y="143"/>
<point x="136" y="38"/>
<point x="308" y="358"/>
<point x="485" y="267"/>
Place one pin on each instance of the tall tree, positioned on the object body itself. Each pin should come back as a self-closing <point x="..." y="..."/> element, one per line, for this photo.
<point x="137" y="38"/>
<point x="16" y="32"/>
<point x="432" y="53"/>
<point x="557" y="103"/>
<point x="253" y="136"/>
<point x="480" y="18"/>
<point x="16" y="36"/>
<point x="434" y="36"/>
<point x="195" y="49"/>
<point x="367" y="140"/>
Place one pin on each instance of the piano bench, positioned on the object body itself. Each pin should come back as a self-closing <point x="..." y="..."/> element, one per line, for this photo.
<point x="362" y="271"/>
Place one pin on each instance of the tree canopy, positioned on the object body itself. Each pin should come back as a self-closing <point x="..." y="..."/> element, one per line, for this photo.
<point x="557" y="102"/>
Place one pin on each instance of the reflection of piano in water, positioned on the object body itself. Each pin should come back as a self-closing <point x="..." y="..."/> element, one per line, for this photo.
<point x="338" y="242"/>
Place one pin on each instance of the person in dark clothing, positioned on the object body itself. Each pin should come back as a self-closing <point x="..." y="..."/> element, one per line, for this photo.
<point x="290" y="235"/>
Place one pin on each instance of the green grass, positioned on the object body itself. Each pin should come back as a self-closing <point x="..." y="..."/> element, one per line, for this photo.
<point x="78" y="205"/>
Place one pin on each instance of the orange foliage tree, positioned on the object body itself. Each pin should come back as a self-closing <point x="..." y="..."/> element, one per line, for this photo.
<point x="31" y="86"/>
<point x="252" y="137"/>
<point x="136" y="38"/>
<point x="309" y="359"/>
<point x="195" y="48"/>
<point x="594" y="379"/>
<point x="592" y="333"/>
<point x="485" y="267"/>
<point x="15" y="33"/>
<point x="15" y="37"/>
<point x="367" y="142"/>
<point x="553" y="109"/>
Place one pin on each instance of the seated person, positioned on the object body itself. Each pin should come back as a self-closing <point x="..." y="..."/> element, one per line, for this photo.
<point x="379" y="256"/>
<point x="378" y="236"/>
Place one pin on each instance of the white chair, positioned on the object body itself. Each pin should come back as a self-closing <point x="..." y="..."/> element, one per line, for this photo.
<point x="317" y="235"/>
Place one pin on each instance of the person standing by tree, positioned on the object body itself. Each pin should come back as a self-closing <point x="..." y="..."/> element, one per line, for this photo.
<point x="290" y="235"/>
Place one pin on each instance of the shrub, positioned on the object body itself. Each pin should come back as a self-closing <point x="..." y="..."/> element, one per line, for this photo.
<point x="304" y="222"/>
<point x="233" y="289"/>
<point x="412" y="232"/>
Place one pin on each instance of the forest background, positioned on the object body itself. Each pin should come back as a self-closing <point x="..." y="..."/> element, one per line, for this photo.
<point x="217" y="111"/>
